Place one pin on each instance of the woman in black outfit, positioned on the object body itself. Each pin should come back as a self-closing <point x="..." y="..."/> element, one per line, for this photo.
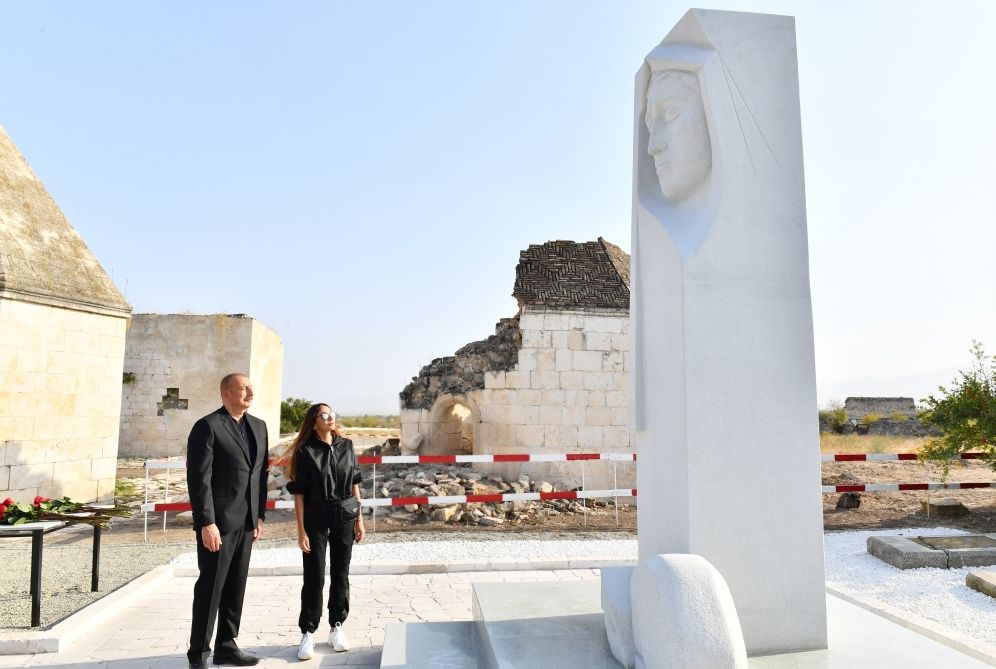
<point x="325" y="481"/>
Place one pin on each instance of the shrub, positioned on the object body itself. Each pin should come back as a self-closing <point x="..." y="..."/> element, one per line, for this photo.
<point x="870" y="418"/>
<point x="835" y="418"/>
<point x="898" y="416"/>
<point x="966" y="413"/>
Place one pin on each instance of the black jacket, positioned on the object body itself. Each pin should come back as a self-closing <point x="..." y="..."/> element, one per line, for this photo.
<point x="324" y="473"/>
<point x="226" y="487"/>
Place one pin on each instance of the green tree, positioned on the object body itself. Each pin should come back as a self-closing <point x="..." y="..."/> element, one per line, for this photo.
<point x="834" y="416"/>
<point x="292" y="413"/>
<point x="965" y="412"/>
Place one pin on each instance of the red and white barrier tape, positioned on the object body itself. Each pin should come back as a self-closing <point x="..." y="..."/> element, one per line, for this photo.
<point x="879" y="457"/>
<point x="894" y="487"/>
<point x="441" y="500"/>
<point x="441" y="459"/>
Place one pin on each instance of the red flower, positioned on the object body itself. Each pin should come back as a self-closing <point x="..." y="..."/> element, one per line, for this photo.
<point x="8" y="502"/>
<point x="39" y="499"/>
<point x="3" y="510"/>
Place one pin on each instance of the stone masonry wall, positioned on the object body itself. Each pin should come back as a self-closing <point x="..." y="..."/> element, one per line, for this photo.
<point x="566" y="392"/>
<point x="175" y="362"/>
<point x="60" y="399"/>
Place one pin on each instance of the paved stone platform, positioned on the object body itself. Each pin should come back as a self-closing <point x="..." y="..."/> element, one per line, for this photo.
<point x="945" y="552"/>
<point x="150" y="631"/>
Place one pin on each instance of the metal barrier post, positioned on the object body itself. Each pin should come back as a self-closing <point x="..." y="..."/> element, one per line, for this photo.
<point x="166" y="496"/>
<point x="373" y="509"/>
<point x="145" y="511"/>
<point x="584" y="501"/>
<point x="615" y="487"/>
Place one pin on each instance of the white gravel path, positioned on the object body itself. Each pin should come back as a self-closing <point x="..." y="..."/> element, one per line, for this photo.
<point x="937" y="599"/>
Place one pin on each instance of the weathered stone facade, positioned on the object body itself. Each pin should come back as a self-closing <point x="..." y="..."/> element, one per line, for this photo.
<point x="884" y="407"/>
<point x="566" y="389"/>
<point x="62" y="335"/>
<point x="173" y="364"/>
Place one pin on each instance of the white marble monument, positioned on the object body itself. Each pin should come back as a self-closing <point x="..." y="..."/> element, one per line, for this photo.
<point x="724" y="390"/>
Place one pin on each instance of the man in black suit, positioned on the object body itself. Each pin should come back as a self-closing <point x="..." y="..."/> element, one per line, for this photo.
<point x="227" y="471"/>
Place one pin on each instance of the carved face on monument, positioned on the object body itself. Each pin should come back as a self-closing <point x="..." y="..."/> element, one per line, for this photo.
<point x="679" y="135"/>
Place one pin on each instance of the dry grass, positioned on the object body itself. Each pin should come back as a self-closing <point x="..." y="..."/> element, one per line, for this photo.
<point x="860" y="443"/>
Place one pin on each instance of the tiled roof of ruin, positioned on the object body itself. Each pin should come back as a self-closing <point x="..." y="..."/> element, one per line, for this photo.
<point x="573" y="275"/>
<point x="42" y="258"/>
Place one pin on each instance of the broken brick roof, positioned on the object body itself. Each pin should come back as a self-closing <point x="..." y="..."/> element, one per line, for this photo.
<point x="578" y="275"/>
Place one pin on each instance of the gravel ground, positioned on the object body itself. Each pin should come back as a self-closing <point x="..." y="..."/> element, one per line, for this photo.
<point x="934" y="598"/>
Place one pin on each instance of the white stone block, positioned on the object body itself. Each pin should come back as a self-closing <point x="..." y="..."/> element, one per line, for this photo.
<point x="573" y="415"/>
<point x="517" y="379"/>
<point x="530" y="397"/>
<point x="564" y="361"/>
<point x="597" y="380"/>
<point x="571" y="380"/>
<point x="617" y="398"/>
<point x="553" y="398"/>
<point x="620" y="342"/>
<point x="577" y="398"/>
<point x="568" y="437"/>
<point x="32" y="476"/>
<point x="613" y="361"/>
<point x="545" y="380"/>
<point x="619" y="417"/>
<point x="576" y="340"/>
<point x="610" y="324"/>
<point x="555" y="322"/>
<point x="529" y="436"/>
<point x="597" y="416"/>
<point x="546" y="360"/>
<point x="617" y="438"/>
<point x="596" y="398"/>
<point x="576" y="322"/>
<point x="618" y="610"/>
<point x="527" y="359"/>
<point x="560" y="339"/>
<point x="550" y="415"/>
<point x="683" y="615"/>
<point x="599" y="341"/>
<point x="536" y="339"/>
<point x="587" y="361"/>
<point x="531" y="321"/>
<point x="590" y="436"/>
<point x="494" y="379"/>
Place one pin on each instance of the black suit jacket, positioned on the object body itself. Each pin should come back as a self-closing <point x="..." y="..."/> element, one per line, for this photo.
<point x="226" y="487"/>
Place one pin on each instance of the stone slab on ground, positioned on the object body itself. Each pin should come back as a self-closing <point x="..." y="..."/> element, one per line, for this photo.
<point x="541" y="625"/>
<point x="983" y="581"/>
<point x="544" y="624"/>
<point x="973" y="550"/>
<point x="429" y="646"/>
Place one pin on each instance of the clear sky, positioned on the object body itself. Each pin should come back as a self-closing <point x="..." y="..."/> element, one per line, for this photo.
<point x="361" y="176"/>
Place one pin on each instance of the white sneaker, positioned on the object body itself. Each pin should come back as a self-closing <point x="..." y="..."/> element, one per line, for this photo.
<point x="337" y="639"/>
<point x="306" y="650"/>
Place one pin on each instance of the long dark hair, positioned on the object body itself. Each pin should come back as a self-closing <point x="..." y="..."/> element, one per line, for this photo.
<point x="304" y="434"/>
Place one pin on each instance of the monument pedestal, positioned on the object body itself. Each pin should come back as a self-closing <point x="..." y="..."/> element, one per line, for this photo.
<point x="525" y="625"/>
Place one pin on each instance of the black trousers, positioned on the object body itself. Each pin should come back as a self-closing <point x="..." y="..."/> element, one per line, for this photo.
<point x="219" y="592"/>
<point x="325" y="533"/>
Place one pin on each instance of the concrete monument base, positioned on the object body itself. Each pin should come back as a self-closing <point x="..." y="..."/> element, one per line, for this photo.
<point x="526" y="625"/>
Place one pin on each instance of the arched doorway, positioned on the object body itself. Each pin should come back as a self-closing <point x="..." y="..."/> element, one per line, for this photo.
<point x="453" y="426"/>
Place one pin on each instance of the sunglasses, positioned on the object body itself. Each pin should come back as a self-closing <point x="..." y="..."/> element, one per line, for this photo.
<point x="325" y="415"/>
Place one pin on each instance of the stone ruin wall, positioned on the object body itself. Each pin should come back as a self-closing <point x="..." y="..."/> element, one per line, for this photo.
<point x="173" y="364"/>
<point x="59" y="401"/>
<point x="564" y="390"/>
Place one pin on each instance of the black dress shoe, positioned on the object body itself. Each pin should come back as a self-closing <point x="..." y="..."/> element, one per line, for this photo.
<point x="196" y="664"/>
<point x="236" y="657"/>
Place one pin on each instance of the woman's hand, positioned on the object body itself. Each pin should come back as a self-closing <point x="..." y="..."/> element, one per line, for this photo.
<point x="304" y="543"/>
<point x="358" y="530"/>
